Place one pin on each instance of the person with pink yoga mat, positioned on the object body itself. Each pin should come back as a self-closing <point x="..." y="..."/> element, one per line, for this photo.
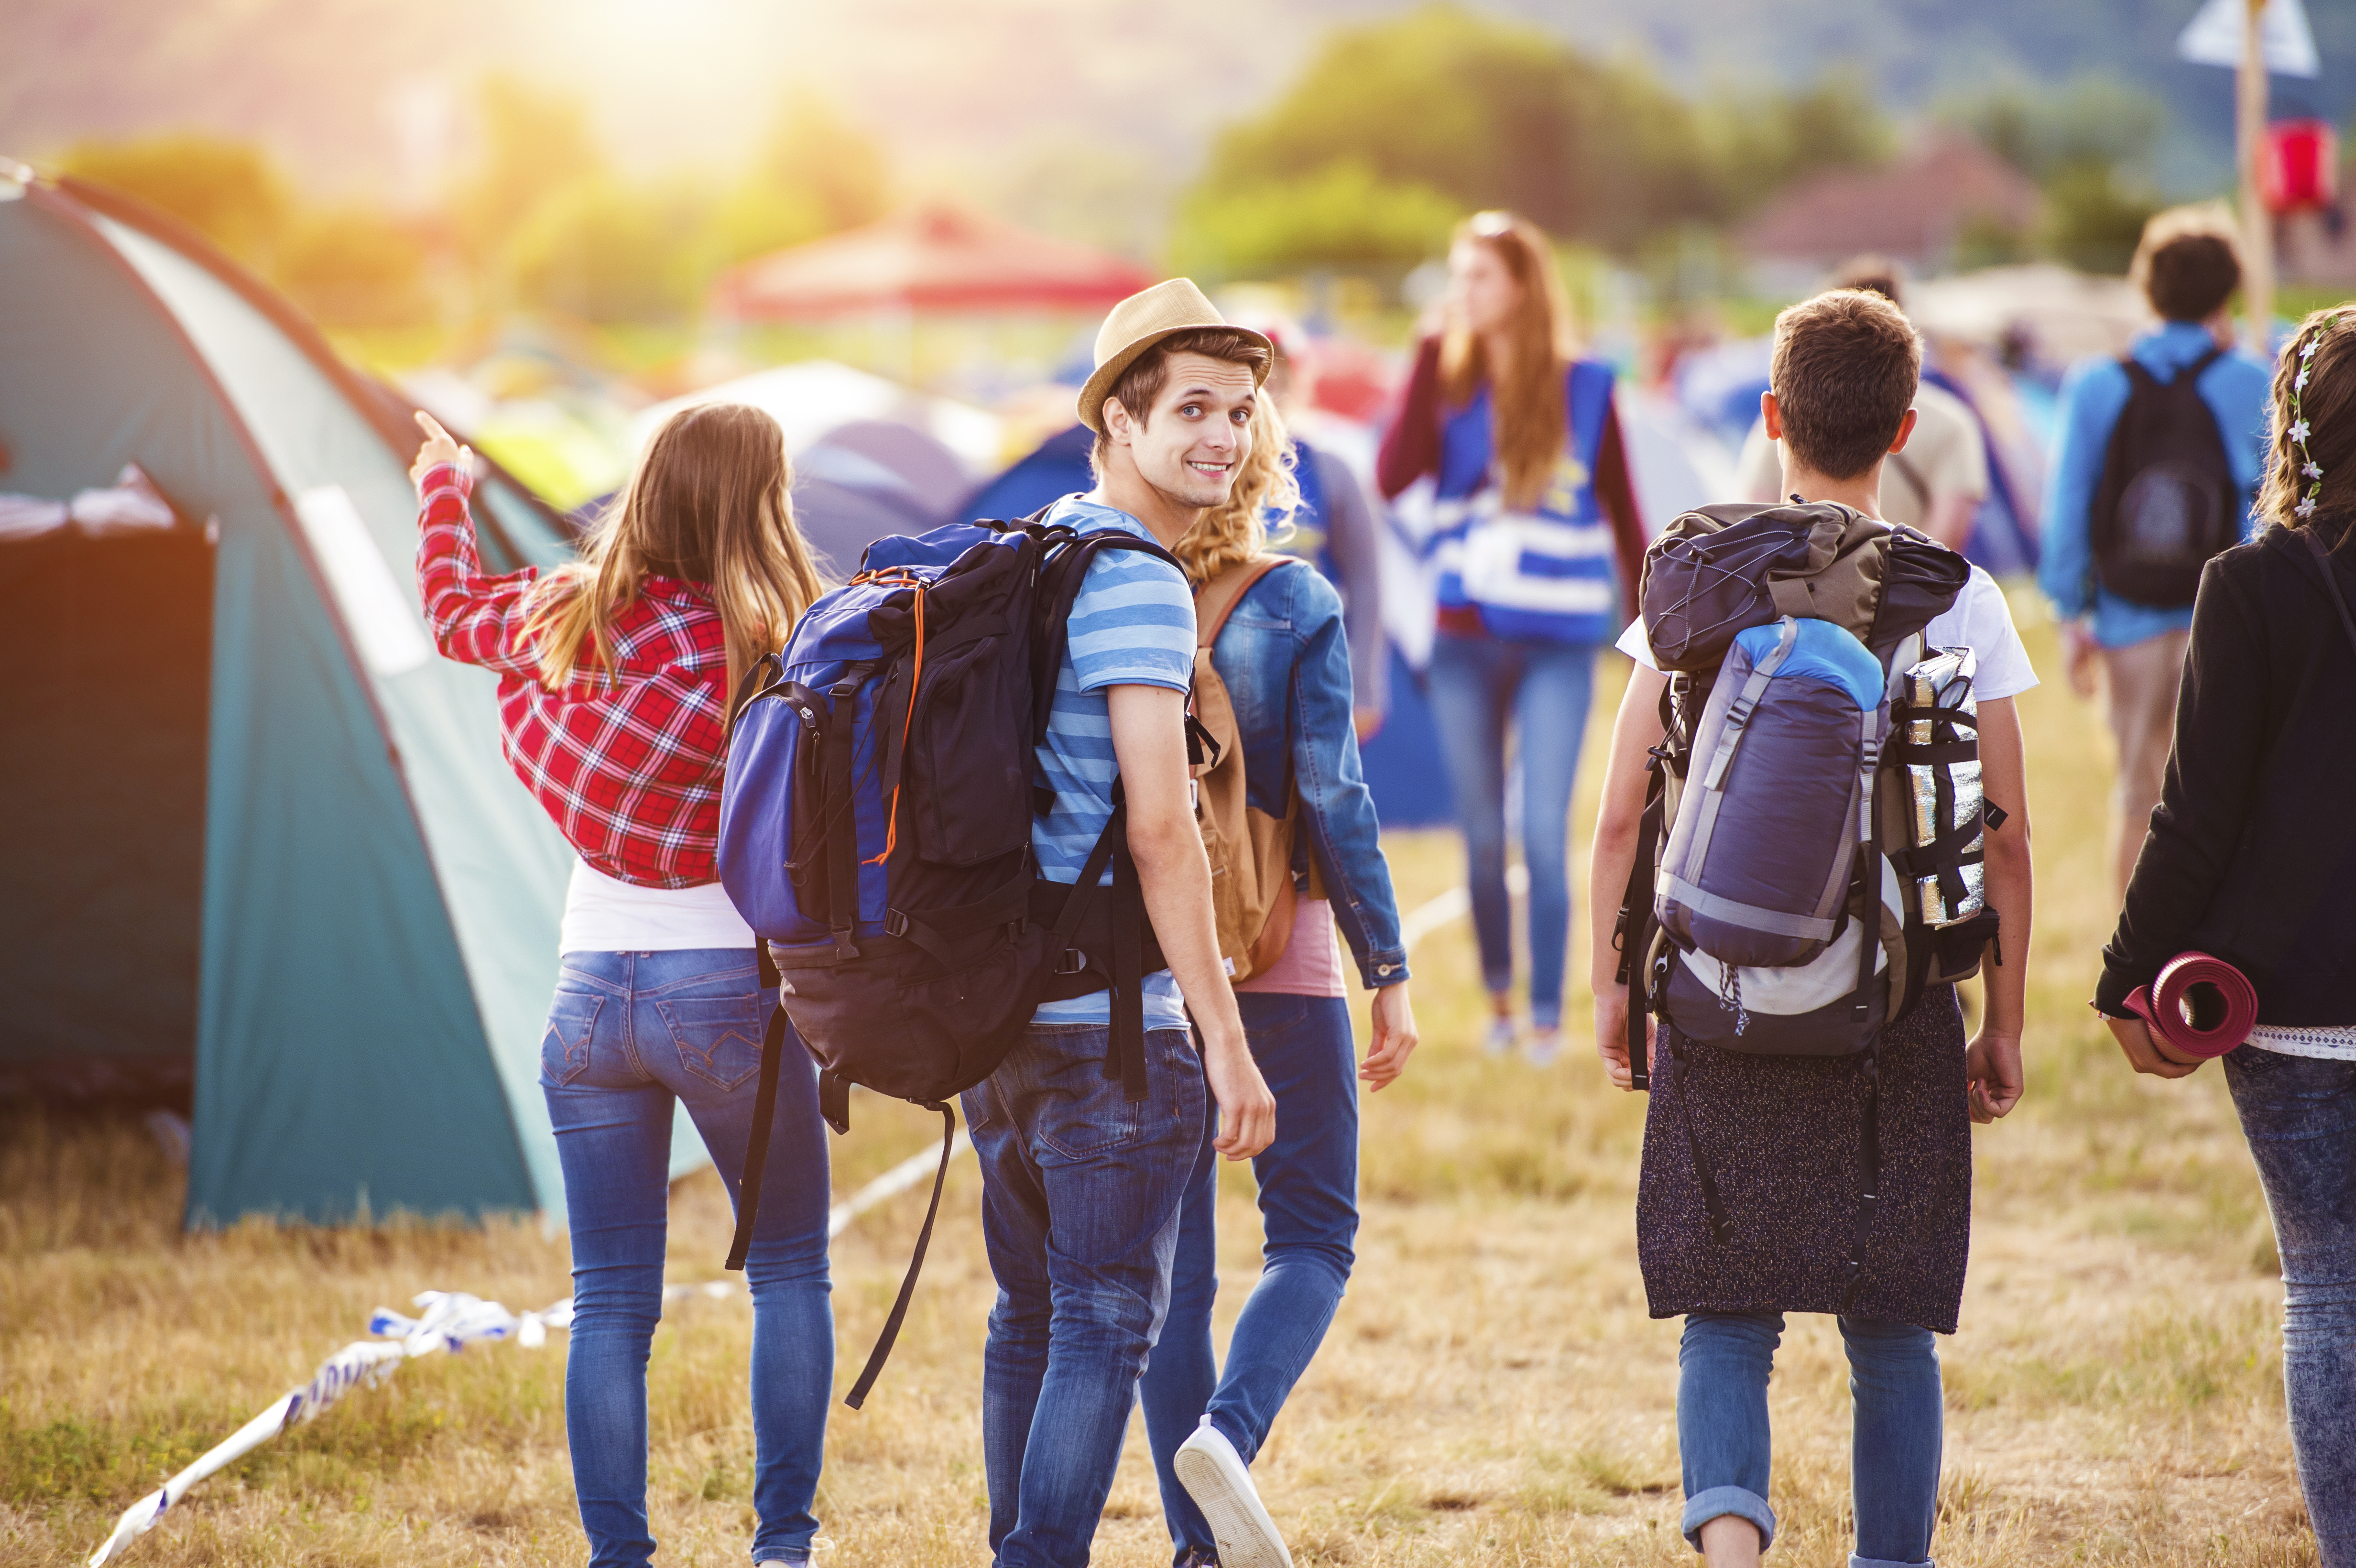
<point x="2238" y="937"/>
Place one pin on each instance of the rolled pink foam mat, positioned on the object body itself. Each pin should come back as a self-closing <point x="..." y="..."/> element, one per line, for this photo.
<point x="2200" y="1005"/>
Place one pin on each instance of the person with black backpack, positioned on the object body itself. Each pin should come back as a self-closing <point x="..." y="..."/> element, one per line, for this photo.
<point x="2249" y="860"/>
<point x="2155" y="462"/>
<point x="1819" y="821"/>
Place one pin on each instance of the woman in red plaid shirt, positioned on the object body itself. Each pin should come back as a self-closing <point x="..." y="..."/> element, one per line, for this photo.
<point x="615" y="675"/>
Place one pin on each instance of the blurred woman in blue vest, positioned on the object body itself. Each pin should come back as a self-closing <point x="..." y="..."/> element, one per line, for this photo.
<point x="1539" y="548"/>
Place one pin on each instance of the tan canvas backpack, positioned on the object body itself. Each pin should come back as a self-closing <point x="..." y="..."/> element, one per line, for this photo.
<point x="1251" y="852"/>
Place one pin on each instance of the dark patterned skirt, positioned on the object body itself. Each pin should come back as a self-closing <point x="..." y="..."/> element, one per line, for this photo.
<point x="1780" y="1134"/>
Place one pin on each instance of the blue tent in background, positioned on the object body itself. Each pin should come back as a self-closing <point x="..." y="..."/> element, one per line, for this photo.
<point x="273" y="840"/>
<point x="1402" y="761"/>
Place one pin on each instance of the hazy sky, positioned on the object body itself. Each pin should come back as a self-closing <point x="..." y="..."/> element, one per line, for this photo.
<point x="1081" y="98"/>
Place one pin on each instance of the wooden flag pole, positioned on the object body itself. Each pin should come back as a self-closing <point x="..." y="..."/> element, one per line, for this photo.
<point x="2257" y="225"/>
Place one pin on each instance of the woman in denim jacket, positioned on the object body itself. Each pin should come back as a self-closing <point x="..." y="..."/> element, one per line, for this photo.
<point x="1284" y="656"/>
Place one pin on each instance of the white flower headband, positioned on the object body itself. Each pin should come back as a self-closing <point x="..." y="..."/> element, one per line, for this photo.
<point x="2307" y="468"/>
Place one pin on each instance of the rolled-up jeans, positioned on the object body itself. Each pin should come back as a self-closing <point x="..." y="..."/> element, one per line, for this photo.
<point x="1897" y="1429"/>
<point x="2299" y="1114"/>
<point x="628" y="1034"/>
<point x="1080" y="1192"/>
<point x="1309" y="1212"/>
<point x="1478" y="684"/>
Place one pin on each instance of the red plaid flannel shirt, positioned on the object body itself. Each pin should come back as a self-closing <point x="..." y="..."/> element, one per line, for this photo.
<point x="627" y="763"/>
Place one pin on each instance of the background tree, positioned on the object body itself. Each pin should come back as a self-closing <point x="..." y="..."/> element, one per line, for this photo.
<point x="2088" y="143"/>
<point x="228" y="190"/>
<point x="1485" y="113"/>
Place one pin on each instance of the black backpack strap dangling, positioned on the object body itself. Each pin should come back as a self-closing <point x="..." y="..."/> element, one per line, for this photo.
<point x="890" y="1334"/>
<point x="765" y="1111"/>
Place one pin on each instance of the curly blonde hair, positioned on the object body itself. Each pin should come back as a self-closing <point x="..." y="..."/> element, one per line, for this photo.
<point x="1266" y="492"/>
<point x="2315" y="382"/>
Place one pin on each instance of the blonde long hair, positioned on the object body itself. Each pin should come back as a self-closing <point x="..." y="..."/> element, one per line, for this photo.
<point x="1266" y="489"/>
<point x="709" y="503"/>
<point x="1527" y="426"/>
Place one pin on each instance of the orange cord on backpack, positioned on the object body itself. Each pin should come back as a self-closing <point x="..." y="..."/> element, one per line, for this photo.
<point x="892" y="821"/>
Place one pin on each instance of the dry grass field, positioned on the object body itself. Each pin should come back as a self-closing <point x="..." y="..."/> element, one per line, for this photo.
<point x="1492" y="1392"/>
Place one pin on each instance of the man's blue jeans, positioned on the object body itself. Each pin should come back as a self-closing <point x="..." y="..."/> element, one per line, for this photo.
<point x="2299" y="1114"/>
<point x="1898" y="1427"/>
<point x="1309" y="1210"/>
<point x="1478" y="684"/>
<point x="628" y="1033"/>
<point x="1079" y="1210"/>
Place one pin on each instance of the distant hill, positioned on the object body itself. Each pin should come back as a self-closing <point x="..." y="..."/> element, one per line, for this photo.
<point x="370" y="93"/>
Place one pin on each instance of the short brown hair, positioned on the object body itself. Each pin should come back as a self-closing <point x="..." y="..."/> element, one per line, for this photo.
<point x="2189" y="262"/>
<point x="1847" y="363"/>
<point x="1137" y="387"/>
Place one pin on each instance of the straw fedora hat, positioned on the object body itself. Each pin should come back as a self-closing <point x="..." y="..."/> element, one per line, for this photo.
<point x="1140" y="321"/>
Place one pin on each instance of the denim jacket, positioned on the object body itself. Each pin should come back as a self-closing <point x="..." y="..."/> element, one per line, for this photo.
<point x="1285" y="659"/>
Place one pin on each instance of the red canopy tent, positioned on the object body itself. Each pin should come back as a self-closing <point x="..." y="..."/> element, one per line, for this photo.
<point x="934" y="259"/>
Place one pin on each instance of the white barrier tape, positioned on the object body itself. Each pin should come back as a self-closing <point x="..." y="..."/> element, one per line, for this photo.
<point x="449" y="1320"/>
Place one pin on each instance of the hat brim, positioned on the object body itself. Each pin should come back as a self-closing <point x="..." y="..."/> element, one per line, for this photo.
<point x="1100" y="386"/>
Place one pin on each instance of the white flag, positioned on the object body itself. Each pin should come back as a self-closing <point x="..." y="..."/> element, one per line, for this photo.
<point x="2214" y="38"/>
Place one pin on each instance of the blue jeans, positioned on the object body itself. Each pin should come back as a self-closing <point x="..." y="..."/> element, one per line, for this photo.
<point x="2299" y="1114"/>
<point x="627" y="1033"/>
<point x="1080" y="1189"/>
<point x="1477" y="685"/>
<point x="1899" y="1424"/>
<point x="1309" y="1210"/>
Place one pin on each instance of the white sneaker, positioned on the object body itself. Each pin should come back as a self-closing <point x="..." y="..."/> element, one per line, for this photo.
<point x="1214" y="1474"/>
<point x="1502" y="1037"/>
<point x="1546" y="1045"/>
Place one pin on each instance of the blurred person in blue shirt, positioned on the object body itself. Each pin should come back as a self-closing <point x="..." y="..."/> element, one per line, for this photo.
<point x="2189" y="267"/>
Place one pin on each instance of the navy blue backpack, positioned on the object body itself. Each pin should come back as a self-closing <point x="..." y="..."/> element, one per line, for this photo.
<point x="875" y="833"/>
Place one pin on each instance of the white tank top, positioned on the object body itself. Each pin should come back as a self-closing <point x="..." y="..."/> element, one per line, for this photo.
<point x="604" y="914"/>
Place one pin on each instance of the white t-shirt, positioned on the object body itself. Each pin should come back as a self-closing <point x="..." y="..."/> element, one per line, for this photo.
<point x="604" y="914"/>
<point x="1979" y="620"/>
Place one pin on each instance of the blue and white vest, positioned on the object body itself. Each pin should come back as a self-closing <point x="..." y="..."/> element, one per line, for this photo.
<point x="1546" y="575"/>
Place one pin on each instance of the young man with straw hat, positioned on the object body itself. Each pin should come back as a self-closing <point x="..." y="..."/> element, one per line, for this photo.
<point x="1064" y="1152"/>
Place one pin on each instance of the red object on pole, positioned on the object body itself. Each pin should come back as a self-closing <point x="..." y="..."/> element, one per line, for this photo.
<point x="932" y="259"/>
<point x="2300" y="168"/>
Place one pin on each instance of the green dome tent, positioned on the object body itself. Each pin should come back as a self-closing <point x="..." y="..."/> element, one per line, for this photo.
<point x="262" y="828"/>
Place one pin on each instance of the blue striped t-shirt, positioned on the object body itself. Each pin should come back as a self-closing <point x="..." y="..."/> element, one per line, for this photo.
<point x="1132" y="624"/>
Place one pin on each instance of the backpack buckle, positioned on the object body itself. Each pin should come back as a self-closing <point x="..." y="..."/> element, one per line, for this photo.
<point x="896" y="922"/>
<point x="1071" y="961"/>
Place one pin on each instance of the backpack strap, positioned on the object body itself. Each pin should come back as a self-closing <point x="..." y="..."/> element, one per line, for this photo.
<point x="1216" y="599"/>
<point x="765" y="1111"/>
<point x="890" y="1334"/>
<point x="1632" y="933"/>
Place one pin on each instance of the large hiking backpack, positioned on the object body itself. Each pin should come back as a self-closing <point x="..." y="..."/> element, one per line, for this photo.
<point x="1252" y="895"/>
<point x="1810" y="857"/>
<point x="2168" y="500"/>
<point x="875" y="833"/>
